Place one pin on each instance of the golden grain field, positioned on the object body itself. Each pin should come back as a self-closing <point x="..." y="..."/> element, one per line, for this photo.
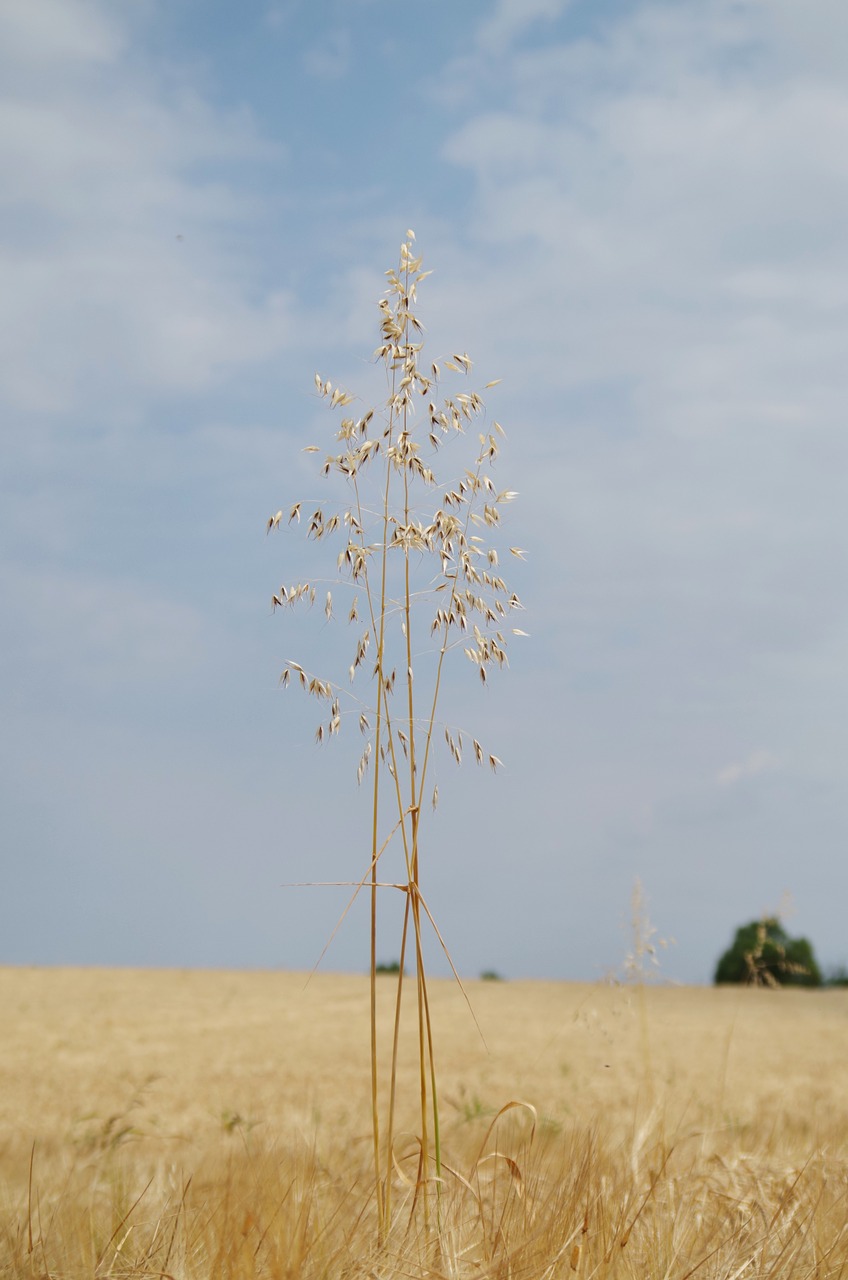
<point x="202" y="1124"/>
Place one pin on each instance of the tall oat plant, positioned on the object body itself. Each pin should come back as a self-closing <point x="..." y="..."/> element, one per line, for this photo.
<point x="419" y="572"/>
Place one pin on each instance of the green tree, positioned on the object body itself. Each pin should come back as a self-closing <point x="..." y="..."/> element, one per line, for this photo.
<point x="763" y="954"/>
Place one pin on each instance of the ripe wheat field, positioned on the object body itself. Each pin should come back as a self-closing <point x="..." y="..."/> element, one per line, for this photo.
<point x="201" y="1125"/>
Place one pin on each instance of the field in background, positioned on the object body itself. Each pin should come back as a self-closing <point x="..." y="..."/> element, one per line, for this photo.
<point x="202" y="1124"/>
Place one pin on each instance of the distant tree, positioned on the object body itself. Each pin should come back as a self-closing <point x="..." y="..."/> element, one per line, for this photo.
<point x="763" y="954"/>
<point x="836" y="976"/>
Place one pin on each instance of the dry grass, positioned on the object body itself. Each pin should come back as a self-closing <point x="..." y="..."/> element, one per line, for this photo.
<point x="414" y="533"/>
<point x="205" y="1125"/>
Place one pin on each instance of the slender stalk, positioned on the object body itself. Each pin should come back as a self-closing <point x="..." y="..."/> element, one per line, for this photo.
<point x="382" y="1217"/>
<point x="375" y="1107"/>
<point x="476" y="600"/>
<point x="424" y="1028"/>
<point x="393" y="1077"/>
<point x="384" y="717"/>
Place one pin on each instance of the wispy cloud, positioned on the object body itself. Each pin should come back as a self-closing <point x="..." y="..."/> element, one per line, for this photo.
<point x="116" y="274"/>
<point x="637" y="215"/>
<point x="331" y="59"/>
<point x="660" y="215"/>
<point x="511" y="18"/>
<point x="753" y="765"/>
<point x="67" y="33"/>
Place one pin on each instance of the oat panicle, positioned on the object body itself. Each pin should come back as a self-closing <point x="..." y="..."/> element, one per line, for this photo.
<point x="417" y="564"/>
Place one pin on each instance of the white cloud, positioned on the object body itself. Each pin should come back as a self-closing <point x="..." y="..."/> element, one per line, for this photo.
<point x="676" y="236"/>
<point x="651" y="256"/>
<point x="331" y="59"/>
<point x="812" y="37"/>
<point x="115" y="274"/>
<point x="280" y="15"/>
<point x="659" y="230"/>
<point x="58" y="31"/>
<point x="755" y="764"/>
<point x="512" y="17"/>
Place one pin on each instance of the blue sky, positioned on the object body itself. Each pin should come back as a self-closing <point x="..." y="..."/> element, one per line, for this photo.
<point x="636" y="217"/>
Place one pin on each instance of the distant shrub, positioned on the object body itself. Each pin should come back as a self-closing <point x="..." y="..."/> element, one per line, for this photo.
<point x="390" y="966"/>
<point x="763" y="954"/>
<point x="491" y="975"/>
<point x="836" y="976"/>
